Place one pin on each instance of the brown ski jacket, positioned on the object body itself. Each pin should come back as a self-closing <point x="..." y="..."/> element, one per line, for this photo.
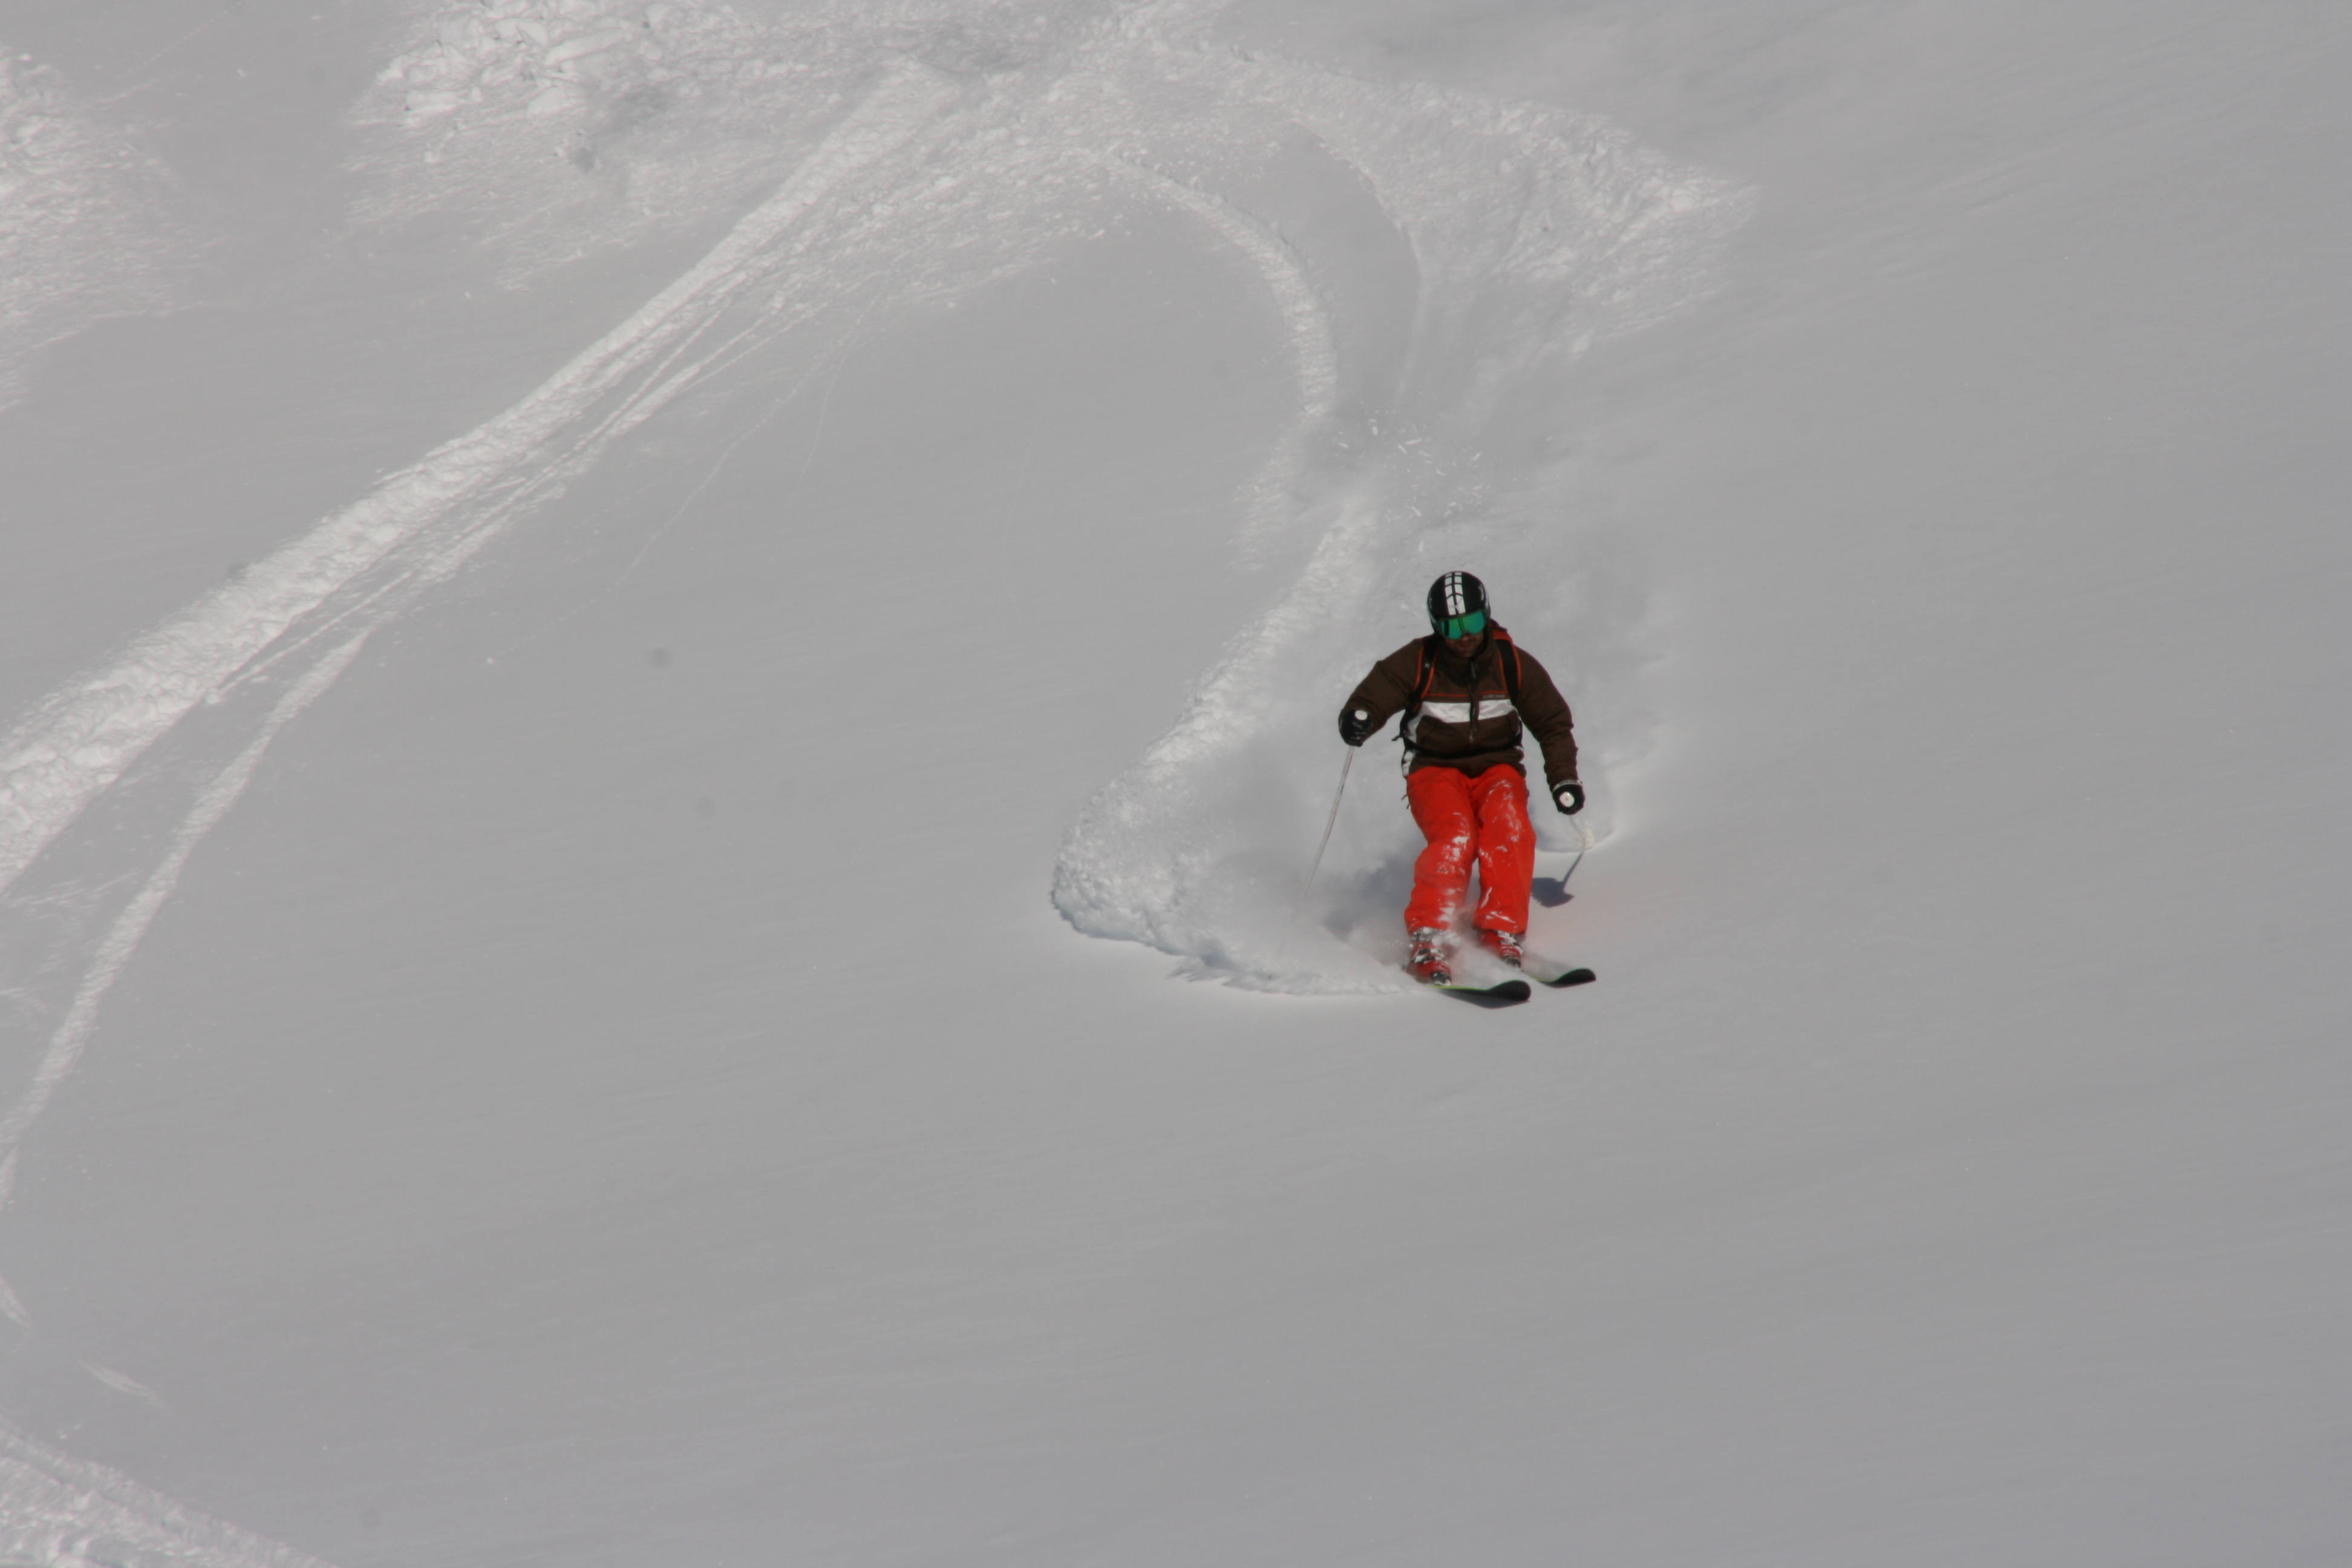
<point x="1466" y="714"/>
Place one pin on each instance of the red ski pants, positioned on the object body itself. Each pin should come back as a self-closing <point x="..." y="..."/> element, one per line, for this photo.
<point x="1483" y="819"/>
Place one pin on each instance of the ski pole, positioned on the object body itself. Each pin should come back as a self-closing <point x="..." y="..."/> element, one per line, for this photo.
<point x="1329" y="823"/>
<point x="1583" y="843"/>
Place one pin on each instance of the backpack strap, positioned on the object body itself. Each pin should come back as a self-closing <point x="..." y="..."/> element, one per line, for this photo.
<point x="1511" y="673"/>
<point x="1428" y="671"/>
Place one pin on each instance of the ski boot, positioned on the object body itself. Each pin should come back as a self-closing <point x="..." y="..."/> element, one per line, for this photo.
<point x="1427" y="962"/>
<point x="1503" y="944"/>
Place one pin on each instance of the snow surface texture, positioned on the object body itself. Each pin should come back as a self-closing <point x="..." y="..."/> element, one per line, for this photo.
<point x="439" y="513"/>
<point x="59" y="1512"/>
<point x="927" y="141"/>
<point x="1533" y="233"/>
<point x="83" y="231"/>
<point x="466" y="1100"/>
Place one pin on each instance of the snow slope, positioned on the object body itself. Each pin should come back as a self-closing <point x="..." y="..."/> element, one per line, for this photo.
<point x="576" y="706"/>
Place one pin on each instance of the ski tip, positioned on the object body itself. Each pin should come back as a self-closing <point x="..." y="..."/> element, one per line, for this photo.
<point x="1508" y="994"/>
<point x="1572" y="977"/>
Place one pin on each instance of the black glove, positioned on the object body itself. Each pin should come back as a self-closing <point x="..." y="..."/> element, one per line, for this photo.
<point x="1568" y="798"/>
<point x="1356" y="726"/>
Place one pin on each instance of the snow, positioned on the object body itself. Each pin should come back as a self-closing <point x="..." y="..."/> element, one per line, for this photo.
<point x="83" y="231"/>
<point x="608" y="602"/>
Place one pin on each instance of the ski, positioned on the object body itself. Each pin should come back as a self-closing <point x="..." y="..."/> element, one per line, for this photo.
<point x="1554" y="974"/>
<point x="1509" y="994"/>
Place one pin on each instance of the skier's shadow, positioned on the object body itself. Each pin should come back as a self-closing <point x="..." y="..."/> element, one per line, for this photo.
<point x="1552" y="891"/>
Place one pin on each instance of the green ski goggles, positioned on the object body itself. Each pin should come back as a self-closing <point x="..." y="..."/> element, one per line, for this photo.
<point x="1452" y="628"/>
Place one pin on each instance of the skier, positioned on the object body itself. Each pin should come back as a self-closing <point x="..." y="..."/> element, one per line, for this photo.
<point x="1464" y="691"/>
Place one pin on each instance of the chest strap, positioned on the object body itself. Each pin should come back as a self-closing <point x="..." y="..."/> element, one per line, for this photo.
<point x="1428" y="671"/>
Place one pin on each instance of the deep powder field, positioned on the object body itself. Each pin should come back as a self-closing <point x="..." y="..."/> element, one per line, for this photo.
<point x="666" y="683"/>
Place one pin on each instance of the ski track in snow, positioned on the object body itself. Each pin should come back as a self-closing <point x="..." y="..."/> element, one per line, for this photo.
<point x="1533" y="231"/>
<point x="937" y="151"/>
<point x="61" y="1512"/>
<point x="1556" y="227"/>
<point x="1306" y="327"/>
<point x="115" y="949"/>
<point x="56" y="1511"/>
<point x="78" y="741"/>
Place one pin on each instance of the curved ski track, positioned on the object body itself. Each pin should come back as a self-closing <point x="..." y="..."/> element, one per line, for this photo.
<point x="298" y="620"/>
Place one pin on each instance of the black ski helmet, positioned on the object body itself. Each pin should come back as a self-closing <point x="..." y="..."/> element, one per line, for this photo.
<point x="1456" y="594"/>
